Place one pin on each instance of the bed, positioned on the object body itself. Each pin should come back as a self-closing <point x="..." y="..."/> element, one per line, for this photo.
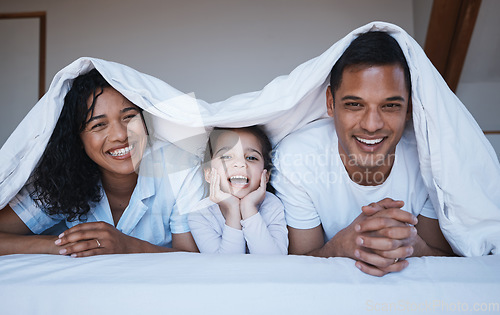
<point x="188" y="283"/>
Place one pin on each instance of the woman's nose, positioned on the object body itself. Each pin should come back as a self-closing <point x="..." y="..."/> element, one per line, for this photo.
<point x="117" y="132"/>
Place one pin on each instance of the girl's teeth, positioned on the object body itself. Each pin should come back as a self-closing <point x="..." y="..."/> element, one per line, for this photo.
<point x="238" y="179"/>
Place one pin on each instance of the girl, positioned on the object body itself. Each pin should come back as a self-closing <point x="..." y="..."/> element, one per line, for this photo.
<point x="239" y="216"/>
<point x="96" y="177"/>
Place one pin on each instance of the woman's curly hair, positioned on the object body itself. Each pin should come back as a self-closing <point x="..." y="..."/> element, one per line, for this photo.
<point x="66" y="180"/>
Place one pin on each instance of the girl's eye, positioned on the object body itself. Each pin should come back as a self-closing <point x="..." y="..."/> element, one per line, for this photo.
<point x="225" y="157"/>
<point x="252" y="158"/>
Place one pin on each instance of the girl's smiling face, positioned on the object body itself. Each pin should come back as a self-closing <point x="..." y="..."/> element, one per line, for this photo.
<point x="239" y="161"/>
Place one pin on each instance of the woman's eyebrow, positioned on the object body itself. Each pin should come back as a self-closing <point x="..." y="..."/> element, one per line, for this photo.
<point x="129" y="109"/>
<point x="95" y="118"/>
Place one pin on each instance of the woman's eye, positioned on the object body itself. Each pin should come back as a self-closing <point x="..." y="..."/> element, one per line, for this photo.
<point x="97" y="126"/>
<point x="130" y="116"/>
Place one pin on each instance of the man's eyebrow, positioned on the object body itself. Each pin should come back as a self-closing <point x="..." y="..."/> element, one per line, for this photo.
<point x="351" y="97"/>
<point x="396" y="98"/>
<point x="357" y="98"/>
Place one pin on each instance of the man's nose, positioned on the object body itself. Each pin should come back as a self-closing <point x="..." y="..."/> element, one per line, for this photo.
<point x="372" y="120"/>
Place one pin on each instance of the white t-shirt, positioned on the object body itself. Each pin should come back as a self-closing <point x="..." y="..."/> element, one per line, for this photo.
<point x="263" y="233"/>
<point x="315" y="188"/>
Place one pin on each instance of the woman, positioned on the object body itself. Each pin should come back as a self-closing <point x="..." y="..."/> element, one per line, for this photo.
<point x="99" y="175"/>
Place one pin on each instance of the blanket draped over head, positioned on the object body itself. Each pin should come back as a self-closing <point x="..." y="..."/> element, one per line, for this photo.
<point x="458" y="164"/>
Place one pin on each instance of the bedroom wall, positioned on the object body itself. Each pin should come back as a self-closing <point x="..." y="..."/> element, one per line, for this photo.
<point x="214" y="48"/>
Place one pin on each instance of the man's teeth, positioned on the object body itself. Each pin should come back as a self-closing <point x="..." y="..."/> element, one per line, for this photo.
<point x="373" y="141"/>
<point x="121" y="152"/>
<point x="238" y="179"/>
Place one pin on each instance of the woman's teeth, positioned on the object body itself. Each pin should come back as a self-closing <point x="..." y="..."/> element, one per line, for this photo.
<point x="121" y="152"/>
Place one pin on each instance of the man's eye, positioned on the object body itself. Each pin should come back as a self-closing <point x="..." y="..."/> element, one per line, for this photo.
<point x="353" y="104"/>
<point x="392" y="106"/>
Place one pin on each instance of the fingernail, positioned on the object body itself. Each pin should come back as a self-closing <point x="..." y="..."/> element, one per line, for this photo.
<point x="63" y="251"/>
<point x="356" y="253"/>
<point x="58" y="241"/>
<point x="409" y="251"/>
<point x="73" y="255"/>
<point x="358" y="265"/>
<point x="359" y="241"/>
<point x="61" y="235"/>
<point x="357" y="227"/>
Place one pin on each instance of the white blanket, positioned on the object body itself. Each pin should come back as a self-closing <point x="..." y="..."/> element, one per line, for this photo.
<point x="186" y="283"/>
<point x="459" y="166"/>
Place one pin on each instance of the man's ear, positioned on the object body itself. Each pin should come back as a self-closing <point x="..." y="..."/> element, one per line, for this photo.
<point x="330" y="102"/>
<point x="409" y="111"/>
<point x="208" y="173"/>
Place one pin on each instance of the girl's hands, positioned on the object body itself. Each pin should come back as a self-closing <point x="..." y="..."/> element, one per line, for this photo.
<point x="249" y="204"/>
<point x="229" y="205"/>
<point x="96" y="238"/>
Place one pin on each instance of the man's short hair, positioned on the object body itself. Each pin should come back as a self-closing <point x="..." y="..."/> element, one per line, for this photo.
<point x="370" y="49"/>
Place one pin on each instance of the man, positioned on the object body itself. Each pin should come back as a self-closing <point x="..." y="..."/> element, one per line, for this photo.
<point x="351" y="185"/>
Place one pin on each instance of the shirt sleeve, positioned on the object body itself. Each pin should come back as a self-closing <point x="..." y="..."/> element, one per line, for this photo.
<point x="190" y="192"/>
<point x="214" y="236"/>
<point x="265" y="232"/>
<point x="33" y="216"/>
<point x="287" y="179"/>
<point x="428" y="210"/>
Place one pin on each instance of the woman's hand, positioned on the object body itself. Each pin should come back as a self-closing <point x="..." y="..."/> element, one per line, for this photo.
<point x="96" y="238"/>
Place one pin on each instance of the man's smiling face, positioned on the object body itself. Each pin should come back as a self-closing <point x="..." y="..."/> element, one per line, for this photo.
<point x="370" y="109"/>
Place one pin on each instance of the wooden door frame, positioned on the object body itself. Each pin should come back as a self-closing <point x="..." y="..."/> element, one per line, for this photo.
<point x="448" y="37"/>
<point x="42" y="16"/>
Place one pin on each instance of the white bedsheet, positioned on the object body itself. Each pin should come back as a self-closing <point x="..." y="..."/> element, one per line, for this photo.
<point x="187" y="283"/>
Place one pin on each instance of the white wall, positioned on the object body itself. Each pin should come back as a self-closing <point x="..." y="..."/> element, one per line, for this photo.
<point x="214" y="48"/>
<point x="219" y="48"/>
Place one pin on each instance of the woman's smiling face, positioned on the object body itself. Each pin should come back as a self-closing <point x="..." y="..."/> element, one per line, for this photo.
<point x="115" y="136"/>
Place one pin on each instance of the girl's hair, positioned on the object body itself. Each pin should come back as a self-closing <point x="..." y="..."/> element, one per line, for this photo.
<point x="66" y="180"/>
<point x="254" y="130"/>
